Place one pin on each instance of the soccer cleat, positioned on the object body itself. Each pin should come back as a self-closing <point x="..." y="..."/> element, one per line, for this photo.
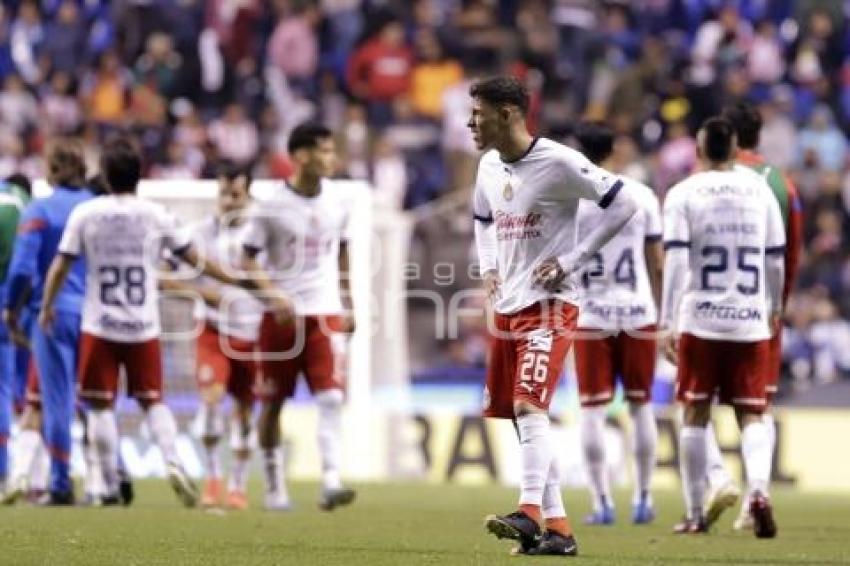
<point x="182" y="485"/>
<point x="762" y="513"/>
<point x="744" y="522"/>
<point x="125" y="489"/>
<point x="57" y="499"/>
<point x="602" y="516"/>
<point x="211" y="496"/>
<point x="720" y="500"/>
<point x="333" y="498"/>
<point x="555" y="544"/>
<point x="278" y="503"/>
<point x="237" y="500"/>
<point x="515" y="526"/>
<point x="643" y="513"/>
<point x="17" y="490"/>
<point x="110" y="500"/>
<point x="691" y="527"/>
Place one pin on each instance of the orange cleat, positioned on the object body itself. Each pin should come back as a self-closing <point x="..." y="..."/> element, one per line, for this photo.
<point x="237" y="500"/>
<point x="212" y="493"/>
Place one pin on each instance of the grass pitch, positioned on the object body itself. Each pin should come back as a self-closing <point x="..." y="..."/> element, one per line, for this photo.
<point x="399" y="524"/>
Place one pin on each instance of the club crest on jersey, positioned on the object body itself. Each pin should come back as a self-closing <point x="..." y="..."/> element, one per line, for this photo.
<point x="540" y="340"/>
<point x="508" y="191"/>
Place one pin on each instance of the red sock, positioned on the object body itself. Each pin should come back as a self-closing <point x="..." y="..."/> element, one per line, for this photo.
<point x="559" y="525"/>
<point x="532" y="511"/>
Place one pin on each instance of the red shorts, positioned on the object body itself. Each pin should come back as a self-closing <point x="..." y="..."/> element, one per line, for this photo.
<point x="33" y="392"/>
<point x="526" y="364"/>
<point x="599" y="361"/>
<point x="312" y="345"/>
<point x="238" y="374"/>
<point x="102" y="359"/>
<point x="775" y="366"/>
<point x="738" y="371"/>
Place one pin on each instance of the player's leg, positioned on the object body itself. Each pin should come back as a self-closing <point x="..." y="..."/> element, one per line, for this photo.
<point x="748" y="394"/>
<point x="542" y="337"/>
<point x="25" y="451"/>
<point x="7" y="370"/>
<point x="56" y="355"/>
<point x="241" y="385"/>
<point x="595" y="372"/>
<point x="212" y="373"/>
<point x="723" y="490"/>
<point x="98" y="377"/>
<point x="637" y="355"/>
<point x="696" y="381"/>
<point x="142" y="362"/>
<point x="324" y="370"/>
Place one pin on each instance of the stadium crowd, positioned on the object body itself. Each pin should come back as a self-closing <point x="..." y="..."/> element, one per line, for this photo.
<point x="201" y="81"/>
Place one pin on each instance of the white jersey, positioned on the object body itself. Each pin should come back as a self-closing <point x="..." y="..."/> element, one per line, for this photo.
<point x="301" y="239"/>
<point x="729" y="221"/>
<point x="615" y="290"/>
<point x="533" y="203"/>
<point x="122" y="238"/>
<point x="240" y="312"/>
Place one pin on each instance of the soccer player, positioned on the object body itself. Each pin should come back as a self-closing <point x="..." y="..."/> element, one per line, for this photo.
<point x="14" y="196"/>
<point x="747" y="121"/>
<point x="55" y="352"/>
<point x="121" y="238"/>
<point x="526" y="196"/>
<point x="225" y="348"/>
<point x="722" y="299"/>
<point x="303" y="232"/>
<point x="617" y="318"/>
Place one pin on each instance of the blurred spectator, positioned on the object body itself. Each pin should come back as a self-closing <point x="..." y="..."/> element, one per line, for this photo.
<point x="60" y="108"/>
<point x="432" y="75"/>
<point x="18" y="108"/>
<point x="106" y="91"/>
<point x="235" y="136"/>
<point x="178" y="164"/>
<point x="676" y="157"/>
<point x="458" y="147"/>
<point x="161" y="63"/>
<point x="778" y="141"/>
<point x="65" y="39"/>
<point x="294" y="49"/>
<point x="821" y="143"/>
<point x="766" y="62"/>
<point x="379" y="71"/>
<point x="27" y="37"/>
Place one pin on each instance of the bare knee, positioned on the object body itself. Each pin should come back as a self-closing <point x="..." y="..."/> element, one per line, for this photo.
<point x="524" y="408"/>
<point x="697" y="414"/>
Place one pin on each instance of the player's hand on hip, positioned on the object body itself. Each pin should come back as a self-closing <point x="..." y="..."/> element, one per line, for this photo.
<point x="46" y="318"/>
<point x="10" y="319"/>
<point x="282" y="308"/>
<point x="670" y="348"/>
<point x="550" y="275"/>
<point x="348" y="324"/>
<point x="775" y="323"/>
<point x="492" y="285"/>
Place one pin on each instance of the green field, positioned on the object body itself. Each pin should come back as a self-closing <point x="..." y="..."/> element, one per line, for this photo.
<point x="397" y="524"/>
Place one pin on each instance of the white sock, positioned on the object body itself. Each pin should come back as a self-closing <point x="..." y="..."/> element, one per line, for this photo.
<point x="755" y="449"/>
<point x="770" y="423"/>
<point x="40" y="472"/>
<point x="593" y="443"/>
<point x="718" y="475"/>
<point x="693" y="454"/>
<point x="646" y="438"/>
<point x="536" y="453"/>
<point x="275" y="477"/>
<point x="164" y="430"/>
<point x="240" y="445"/>
<point x="103" y="429"/>
<point x="27" y="445"/>
<point x="93" y="478"/>
<point x="212" y="427"/>
<point x="553" y="502"/>
<point x="330" y="436"/>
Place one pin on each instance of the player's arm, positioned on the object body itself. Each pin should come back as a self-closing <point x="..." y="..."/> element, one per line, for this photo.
<point x="258" y="281"/>
<point x="209" y="295"/>
<point x="653" y="249"/>
<point x="350" y="323"/>
<point x="677" y="247"/>
<point x="23" y="268"/>
<point x="619" y="204"/>
<point x="774" y="262"/>
<point x="794" y="239"/>
<point x="485" y="244"/>
<point x="56" y="276"/>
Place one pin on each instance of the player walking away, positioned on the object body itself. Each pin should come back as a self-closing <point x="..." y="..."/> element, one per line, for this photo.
<point x="747" y="121"/>
<point x="54" y="352"/>
<point x="617" y="316"/>
<point x="722" y="299"/>
<point x="121" y="237"/>
<point x="14" y="196"/>
<point x="225" y="348"/>
<point x="526" y="197"/>
<point x="304" y="231"/>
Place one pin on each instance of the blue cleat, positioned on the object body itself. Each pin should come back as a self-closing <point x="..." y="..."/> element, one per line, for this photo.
<point x="603" y="516"/>
<point x="643" y="513"/>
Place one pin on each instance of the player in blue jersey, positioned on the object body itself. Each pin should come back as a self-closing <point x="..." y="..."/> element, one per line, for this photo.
<point x="55" y="352"/>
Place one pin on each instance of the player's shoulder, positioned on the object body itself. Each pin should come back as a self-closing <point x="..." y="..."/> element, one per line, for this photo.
<point x="549" y="149"/>
<point x="643" y="193"/>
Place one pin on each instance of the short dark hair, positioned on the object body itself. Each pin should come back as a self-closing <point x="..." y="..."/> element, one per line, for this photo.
<point x="307" y="136"/>
<point x="21" y="181"/>
<point x="121" y="165"/>
<point x="231" y="171"/>
<point x="595" y="140"/>
<point x="747" y="121"/>
<point x="719" y="135"/>
<point x="66" y="164"/>
<point x="97" y="185"/>
<point x="501" y="90"/>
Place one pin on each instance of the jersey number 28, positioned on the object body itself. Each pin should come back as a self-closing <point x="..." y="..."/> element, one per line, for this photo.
<point x="132" y="278"/>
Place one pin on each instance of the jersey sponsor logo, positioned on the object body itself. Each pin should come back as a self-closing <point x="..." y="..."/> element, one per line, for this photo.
<point x="540" y="340"/>
<point x="731" y="228"/>
<point x="727" y="190"/>
<point x="609" y="312"/>
<point x="518" y="226"/>
<point x="124" y="326"/>
<point x="707" y="310"/>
